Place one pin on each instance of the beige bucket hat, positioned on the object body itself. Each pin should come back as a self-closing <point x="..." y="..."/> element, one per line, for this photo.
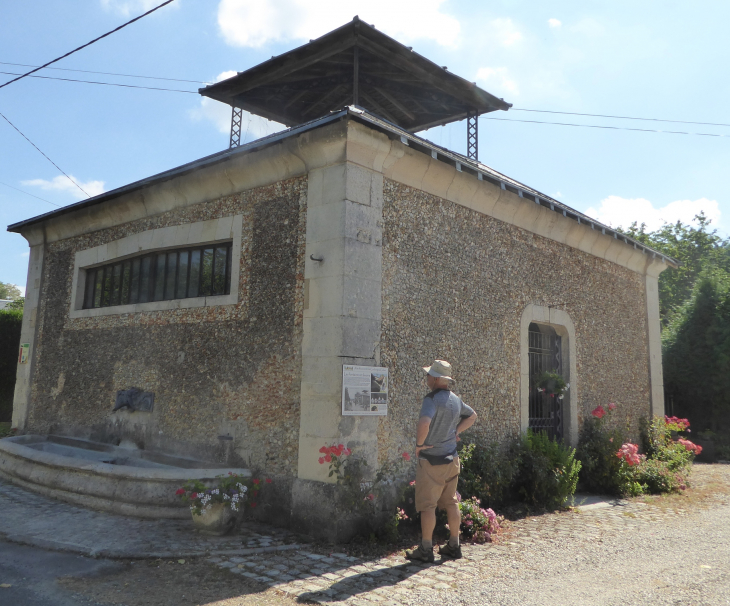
<point x="439" y="369"/>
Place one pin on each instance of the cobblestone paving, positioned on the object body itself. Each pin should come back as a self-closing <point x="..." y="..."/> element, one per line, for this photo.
<point x="394" y="581"/>
<point x="57" y="525"/>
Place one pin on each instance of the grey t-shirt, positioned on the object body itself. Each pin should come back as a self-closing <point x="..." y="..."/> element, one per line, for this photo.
<point x="445" y="409"/>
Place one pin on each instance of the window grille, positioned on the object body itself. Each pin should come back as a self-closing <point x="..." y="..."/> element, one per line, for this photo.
<point x="182" y="273"/>
<point x="546" y="412"/>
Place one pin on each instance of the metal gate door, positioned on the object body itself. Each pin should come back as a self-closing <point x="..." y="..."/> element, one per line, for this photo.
<point x="546" y="411"/>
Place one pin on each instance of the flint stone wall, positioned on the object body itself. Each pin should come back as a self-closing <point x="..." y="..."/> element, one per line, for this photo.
<point x="455" y="285"/>
<point x="230" y="370"/>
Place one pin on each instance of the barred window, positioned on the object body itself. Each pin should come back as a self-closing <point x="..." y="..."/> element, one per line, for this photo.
<point x="171" y="274"/>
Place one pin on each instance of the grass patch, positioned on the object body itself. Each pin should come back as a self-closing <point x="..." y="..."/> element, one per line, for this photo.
<point x="5" y="430"/>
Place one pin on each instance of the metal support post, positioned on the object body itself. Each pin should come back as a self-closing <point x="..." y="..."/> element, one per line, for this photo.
<point x="236" y="116"/>
<point x="356" y="77"/>
<point x="472" y="136"/>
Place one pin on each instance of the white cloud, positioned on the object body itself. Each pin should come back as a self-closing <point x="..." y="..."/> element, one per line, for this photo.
<point x="554" y="23"/>
<point x="61" y="183"/>
<point x="129" y="8"/>
<point x="505" y="32"/>
<point x="252" y="127"/>
<point x="254" y="23"/>
<point x="621" y="212"/>
<point x="497" y="80"/>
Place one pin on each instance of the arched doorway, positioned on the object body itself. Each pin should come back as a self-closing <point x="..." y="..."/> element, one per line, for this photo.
<point x="544" y="355"/>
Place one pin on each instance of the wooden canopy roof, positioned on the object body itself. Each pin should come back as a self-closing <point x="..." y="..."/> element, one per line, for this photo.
<point x="354" y="65"/>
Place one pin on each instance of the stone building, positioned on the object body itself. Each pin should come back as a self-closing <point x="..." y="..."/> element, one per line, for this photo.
<point x="344" y="240"/>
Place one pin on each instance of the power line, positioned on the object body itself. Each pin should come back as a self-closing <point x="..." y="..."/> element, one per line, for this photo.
<point x="29" y="194"/>
<point x="44" y="155"/>
<point x="643" y="130"/>
<point x="172" y="90"/>
<point x="116" y="29"/>
<point x="546" y="111"/>
<point x="88" y="71"/>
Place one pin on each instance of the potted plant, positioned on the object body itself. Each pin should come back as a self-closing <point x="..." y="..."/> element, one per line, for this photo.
<point x="551" y="384"/>
<point x="215" y="509"/>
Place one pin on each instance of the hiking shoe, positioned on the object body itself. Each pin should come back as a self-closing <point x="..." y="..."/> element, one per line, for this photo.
<point x="450" y="552"/>
<point x="420" y="554"/>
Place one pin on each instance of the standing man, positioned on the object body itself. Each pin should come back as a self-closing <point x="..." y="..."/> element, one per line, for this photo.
<point x="443" y="417"/>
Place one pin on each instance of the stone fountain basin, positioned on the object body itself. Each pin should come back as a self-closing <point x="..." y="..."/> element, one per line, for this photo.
<point x="102" y="476"/>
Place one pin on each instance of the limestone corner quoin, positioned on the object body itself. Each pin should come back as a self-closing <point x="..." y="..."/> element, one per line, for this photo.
<point x="422" y="260"/>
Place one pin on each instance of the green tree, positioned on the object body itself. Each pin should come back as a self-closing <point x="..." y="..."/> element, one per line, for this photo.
<point x="696" y="353"/>
<point x="9" y="291"/>
<point x="696" y="247"/>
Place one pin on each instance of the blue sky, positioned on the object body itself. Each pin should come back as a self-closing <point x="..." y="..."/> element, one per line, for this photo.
<point x="651" y="59"/>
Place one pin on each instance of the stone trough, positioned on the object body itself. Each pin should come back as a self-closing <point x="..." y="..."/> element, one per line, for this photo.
<point x="102" y="476"/>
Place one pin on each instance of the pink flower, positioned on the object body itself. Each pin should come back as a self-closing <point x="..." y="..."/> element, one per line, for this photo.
<point x="321" y="460"/>
<point x="406" y="456"/>
<point x="328" y="457"/>
<point x="412" y="483"/>
<point x="370" y="497"/>
<point x="611" y="406"/>
<point x="599" y="412"/>
<point x="324" y="450"/>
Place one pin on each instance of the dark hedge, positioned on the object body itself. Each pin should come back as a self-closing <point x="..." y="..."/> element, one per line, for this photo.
<point x="10" y="323"/>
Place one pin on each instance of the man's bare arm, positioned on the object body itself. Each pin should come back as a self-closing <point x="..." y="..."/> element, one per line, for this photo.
<point x="424" y="424"/>
<point x="465" y="424"/>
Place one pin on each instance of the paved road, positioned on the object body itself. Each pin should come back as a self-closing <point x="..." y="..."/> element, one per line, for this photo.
<point x="608" y="554"/>
<point x="32" y="573"/>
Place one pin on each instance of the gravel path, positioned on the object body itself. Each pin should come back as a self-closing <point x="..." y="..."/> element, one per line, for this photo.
<point x="626" y="553"/>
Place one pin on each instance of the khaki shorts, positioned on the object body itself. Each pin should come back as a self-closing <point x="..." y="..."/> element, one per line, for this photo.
<point x="436" y="484"/>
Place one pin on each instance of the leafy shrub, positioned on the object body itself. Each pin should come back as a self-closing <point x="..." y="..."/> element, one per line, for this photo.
<point x="486" y="473"/>
<point x="660" y="443"/>
<point x="547" y="470"/>
<point x="656" y="477"/>
<point x="10" y="324"/>
<point x="478" y="524"/>
<point x="601" y="471"/>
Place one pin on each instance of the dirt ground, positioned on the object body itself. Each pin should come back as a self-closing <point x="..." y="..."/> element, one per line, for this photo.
<point x="171" y="583"/>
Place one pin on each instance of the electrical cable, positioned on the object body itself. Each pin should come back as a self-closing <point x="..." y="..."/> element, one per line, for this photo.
<point x="29" y="194"/>
<point x="88" y="71"/>
<point x="546" y="111"/>
<point x="172" y="90"/>
<point x="643" y="130"/>
<point x="44" y="155"/>
<point x="116" y="29"/>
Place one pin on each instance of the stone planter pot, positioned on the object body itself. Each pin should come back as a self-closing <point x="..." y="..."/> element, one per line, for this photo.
<point x="218" y="520"/>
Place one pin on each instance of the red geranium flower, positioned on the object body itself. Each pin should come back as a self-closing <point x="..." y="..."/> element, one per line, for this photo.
<point x="328" y="457"/>
<point x="611" y="406"/>
<point x="256" y="481"/>
<point x="406" y="456"/>
<point x="321" y="460"/>
<point x="324" y="450"/>
<point x="194" y="495"/>
<point x="599" y="412"/>
<point x="180" y="491"/>
<point x="253" y="504"/>
<point x="268" y="480"/>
